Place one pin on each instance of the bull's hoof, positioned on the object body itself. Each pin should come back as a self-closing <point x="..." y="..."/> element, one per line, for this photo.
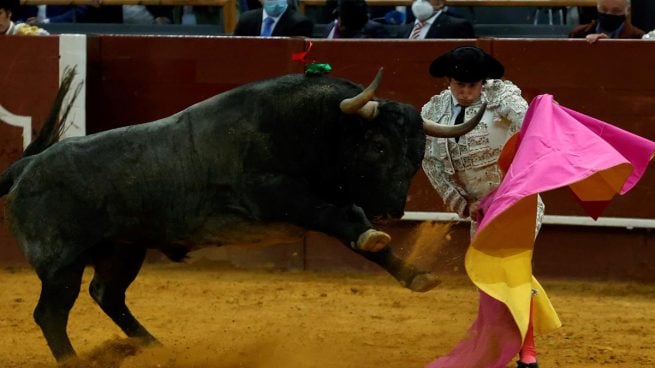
<point x="372" y="240"/>
<point x="423" y="282"/>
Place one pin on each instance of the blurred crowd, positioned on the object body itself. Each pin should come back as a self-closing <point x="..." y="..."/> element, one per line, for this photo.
<point x="424" y="19"/>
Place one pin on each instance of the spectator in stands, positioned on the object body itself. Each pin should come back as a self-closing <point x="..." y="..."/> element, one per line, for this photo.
<point x="275" y="18"/>
<point x="650" y="35"/>
<point x="327" y="13"/>
<point x="586" y="14"/>
<point x="140" y="14"/>
<point x="191" y="15"/>
<point x="353" y="22"/>
<point x="611" y="22"/>
<point x="24" y="12"/>
<point x="245" y="5"/>
<point x="8" y="27"/>
<point x="94" y="13"/>
<point x="464" y="170"/>
<point x="433" y="22"/>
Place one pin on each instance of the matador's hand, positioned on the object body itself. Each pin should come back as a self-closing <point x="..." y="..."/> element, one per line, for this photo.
<point x="474" y="210"/>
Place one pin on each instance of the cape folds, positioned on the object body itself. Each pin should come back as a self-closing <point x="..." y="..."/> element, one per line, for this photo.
<point x="556" y="147"/>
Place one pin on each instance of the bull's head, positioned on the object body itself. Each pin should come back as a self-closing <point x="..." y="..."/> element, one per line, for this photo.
<point x="384" y="153"/>
<point x="363" y="105"/>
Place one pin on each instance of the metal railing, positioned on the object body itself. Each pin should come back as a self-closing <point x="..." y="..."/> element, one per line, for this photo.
<point x="622" y="222"/>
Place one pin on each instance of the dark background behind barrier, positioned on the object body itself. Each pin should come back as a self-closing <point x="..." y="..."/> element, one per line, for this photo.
<point x="642" y="14"/>
<point x="134" y="79"/>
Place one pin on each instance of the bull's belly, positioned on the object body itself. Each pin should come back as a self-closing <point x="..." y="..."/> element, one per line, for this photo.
<point x="250" y="233"/>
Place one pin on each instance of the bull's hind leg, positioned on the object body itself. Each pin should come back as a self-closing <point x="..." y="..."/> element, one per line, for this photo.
<point x="59" y="289"/>
<point x="115" y="269"/>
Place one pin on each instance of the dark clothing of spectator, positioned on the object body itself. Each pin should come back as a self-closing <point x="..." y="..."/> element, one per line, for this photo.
<point x="353" y="22"/>
<point x="84" y="14"/>
<point x="448" y="10"/>
<point x="22" y="13"/>
<point x="161" y="12"/>
<point x="290" y="24"/>
<point x="445" y="26"/>
<point x="246" y="5"/>
<point x="587" y="14"/>
<point x="627" y="31"/>
<point x="371" y="29"/>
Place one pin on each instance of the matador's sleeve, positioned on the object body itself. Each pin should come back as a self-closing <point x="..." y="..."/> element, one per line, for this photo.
<point x="506" y="97"/>
<point x="436" y="163"/>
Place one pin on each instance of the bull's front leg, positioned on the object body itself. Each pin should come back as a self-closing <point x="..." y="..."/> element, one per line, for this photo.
<point x="407" y="274"/>
<point x="362" y="238"/>
<point x="280" y="198"/>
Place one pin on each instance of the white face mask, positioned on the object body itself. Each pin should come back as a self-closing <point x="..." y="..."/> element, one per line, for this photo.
<point x="422" y="10"/>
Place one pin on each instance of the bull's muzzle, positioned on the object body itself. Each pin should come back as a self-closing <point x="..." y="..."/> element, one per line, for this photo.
<point x="448" y="131"/>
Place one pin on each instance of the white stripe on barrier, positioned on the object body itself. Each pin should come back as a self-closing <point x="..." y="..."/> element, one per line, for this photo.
<point x="628" y="223"/>
<point x="72" y="52"/>
<point x="23" y="122"/>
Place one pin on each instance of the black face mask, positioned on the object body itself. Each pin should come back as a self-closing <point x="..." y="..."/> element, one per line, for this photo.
<point x="609" y="22"/>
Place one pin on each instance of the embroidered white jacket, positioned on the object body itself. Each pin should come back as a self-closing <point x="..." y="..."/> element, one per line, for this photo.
<point x="464" y="172"/>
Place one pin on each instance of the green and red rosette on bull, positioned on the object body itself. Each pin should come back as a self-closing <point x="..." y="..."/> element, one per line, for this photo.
<point x="311" y="66"/>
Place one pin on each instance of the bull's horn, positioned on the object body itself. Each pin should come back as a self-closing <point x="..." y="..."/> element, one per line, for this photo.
<point x="448" y="131"/>
<point x="369" y="111"/>
<point x="354" y="104"/>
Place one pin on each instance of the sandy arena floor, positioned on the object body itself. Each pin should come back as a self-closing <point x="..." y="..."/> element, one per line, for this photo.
<point x="211" y="316"/>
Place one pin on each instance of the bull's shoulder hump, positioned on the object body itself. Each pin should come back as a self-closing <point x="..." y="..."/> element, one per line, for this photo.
<point x="285" y="84"/>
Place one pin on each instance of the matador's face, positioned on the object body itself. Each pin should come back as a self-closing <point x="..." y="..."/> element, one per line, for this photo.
<point x="466" y="93"/>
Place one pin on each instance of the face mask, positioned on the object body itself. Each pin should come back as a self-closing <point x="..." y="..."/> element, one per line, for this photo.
<point x="422" y="10"/>
<point x="609" y="22"/>
<point x="275" y="8"/>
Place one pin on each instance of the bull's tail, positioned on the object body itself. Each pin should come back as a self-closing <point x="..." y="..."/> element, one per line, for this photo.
<point x="54" y="125"/>
<point x="49" y="133"/>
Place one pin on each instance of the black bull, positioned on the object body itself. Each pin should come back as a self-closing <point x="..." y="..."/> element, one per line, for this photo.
<point x="268" y="157"/>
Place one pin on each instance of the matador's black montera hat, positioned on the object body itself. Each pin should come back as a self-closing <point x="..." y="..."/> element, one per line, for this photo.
<point x="467" y="64"/>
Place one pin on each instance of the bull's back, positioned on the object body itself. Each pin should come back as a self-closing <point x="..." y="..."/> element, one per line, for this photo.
<point x="140" y="178"/>
<point x="167" y="179"/>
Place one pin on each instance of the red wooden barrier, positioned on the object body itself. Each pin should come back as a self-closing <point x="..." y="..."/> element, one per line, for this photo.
<point x="138" y="79"/>
<point x="28" y="84"/>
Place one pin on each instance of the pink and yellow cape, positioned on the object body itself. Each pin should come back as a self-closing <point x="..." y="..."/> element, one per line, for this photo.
<point x="556" y="147"/>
